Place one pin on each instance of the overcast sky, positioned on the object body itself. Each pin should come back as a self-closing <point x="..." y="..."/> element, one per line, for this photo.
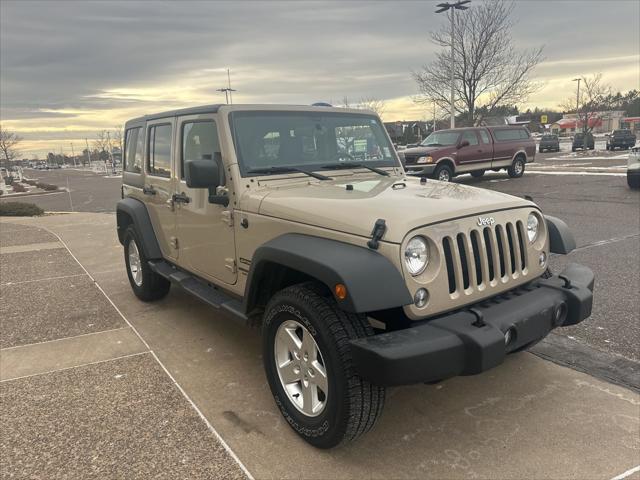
<point x="68" y="69"/>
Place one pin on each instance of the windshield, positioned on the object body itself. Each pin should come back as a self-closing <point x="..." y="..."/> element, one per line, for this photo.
<point x="308" y="140"/>
<point x="441" y="139"/>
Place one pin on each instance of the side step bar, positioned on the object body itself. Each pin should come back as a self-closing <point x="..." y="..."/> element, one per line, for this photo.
<point x="198" y="288"/>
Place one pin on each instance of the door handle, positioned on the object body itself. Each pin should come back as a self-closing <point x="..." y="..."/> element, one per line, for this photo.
<point x="149" y="190"/>
<point x="181" y="198"/>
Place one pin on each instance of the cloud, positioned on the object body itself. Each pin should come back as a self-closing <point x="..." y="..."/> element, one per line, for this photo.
<point x="69" y="65"/>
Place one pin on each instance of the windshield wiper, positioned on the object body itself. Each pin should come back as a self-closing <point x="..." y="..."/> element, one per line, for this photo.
<point x="340" y="166"/>
<point x="287" y="170"/>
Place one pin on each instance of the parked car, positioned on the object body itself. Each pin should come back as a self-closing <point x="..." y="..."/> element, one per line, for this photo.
<point x="623" y="139"/>
<point x="633" y="168"/>
<point x="583" y="141"/>
<point x="303" y="220"/>
<point x="447" y="153"/>
<point x="550" y="143"/>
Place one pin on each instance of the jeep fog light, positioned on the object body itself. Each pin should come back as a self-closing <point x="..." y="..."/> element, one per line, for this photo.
<point x="416" y="255"/>
<point x="421" y="297"/>
<point x="532" y="227"/>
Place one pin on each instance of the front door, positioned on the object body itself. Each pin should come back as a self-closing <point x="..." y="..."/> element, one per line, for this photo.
<point x="470" y="156"/>
<point x="205" y="230"/>
<point x="159" y="184"/>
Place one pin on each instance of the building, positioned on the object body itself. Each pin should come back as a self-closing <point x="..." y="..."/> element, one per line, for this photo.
<point x="632" y="123"/>
<point x="598" y="122"/>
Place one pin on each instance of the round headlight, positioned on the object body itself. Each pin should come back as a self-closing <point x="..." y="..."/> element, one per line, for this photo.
<point x="532" y="227"/>
<point x="416" y="255"/>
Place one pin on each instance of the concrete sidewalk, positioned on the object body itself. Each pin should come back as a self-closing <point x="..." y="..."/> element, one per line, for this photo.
<point x="82" y="395"/>
<point x="529" y="418"/>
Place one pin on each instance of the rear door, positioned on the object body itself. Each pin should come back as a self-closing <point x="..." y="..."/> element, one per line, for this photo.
<point x="159" y="184"/>
<point x="205" y="230"/>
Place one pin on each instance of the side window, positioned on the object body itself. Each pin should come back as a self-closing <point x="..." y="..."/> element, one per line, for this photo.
<point x="159" y="155"/>
<point x="524" y="134"/>
<point x="508" y="134"/>
<point x="470" y="136"/>
<point x="134" y="146"/>
<point x="199" y="142"/>
<point x="484" y="136"/>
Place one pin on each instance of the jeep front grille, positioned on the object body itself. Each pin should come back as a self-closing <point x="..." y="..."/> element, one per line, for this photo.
<point x="485" y="256"/>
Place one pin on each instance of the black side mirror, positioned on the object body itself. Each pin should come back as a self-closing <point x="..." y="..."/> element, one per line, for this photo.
<point x="463" y="143"/>
<point x="207" y="174"/>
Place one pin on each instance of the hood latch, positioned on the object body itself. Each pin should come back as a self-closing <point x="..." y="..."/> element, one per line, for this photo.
<point x="377" y="233"/>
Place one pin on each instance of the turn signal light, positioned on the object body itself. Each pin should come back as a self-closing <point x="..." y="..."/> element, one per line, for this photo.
<point x="340" y="290"/>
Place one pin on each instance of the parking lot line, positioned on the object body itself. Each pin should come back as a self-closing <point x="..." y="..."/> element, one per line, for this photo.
<point x="629" y="472"/>
<point x="606" y="174"/>
<point x="173" y="380"/>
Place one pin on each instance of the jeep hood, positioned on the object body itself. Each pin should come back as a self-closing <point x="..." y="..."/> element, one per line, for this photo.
<point x="404" y="203"/>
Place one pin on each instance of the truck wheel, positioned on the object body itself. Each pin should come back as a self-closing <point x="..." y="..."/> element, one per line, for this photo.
<point x="633" y="182"/>
<point x="516" y="170"/>
<point x="308" y="363"/>
<point x="145" y="283"/>
<point x="477" y="173"/>
<point x="443" y="173"/>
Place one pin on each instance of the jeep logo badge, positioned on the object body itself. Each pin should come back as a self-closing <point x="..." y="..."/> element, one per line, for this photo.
<point x="485" y="221"/>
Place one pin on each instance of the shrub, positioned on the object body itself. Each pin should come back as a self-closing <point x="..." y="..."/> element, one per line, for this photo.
<point x="19" y="209"/>
<point x="33" y="183"/>
<point x="46" y="186"/>
<point x="18" y="188"/>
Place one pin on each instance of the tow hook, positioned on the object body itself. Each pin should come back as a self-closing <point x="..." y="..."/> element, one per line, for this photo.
<point x="567" y="282"/>
<point x="479" y="321"/>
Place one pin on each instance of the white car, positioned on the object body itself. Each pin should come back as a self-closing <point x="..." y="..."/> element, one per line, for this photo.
<point x="633" y="168"/>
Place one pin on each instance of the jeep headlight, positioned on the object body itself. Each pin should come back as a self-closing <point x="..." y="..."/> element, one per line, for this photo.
<point x="533" y="225"/>
<point x="416" y="255"/>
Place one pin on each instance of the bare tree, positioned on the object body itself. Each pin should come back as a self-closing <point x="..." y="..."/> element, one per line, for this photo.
<point x="101" y="143"/>
<point x="593" y="96"/>
<point x="374" y="104"/>
<point x="8" y="142"/>
<point x="488" y="70"/>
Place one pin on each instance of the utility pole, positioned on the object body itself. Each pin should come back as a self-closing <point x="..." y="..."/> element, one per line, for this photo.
<point x="73" y="155"/>
<point x="88" y="152"/>
<point x="434" y="115"/>
<point x="578" y="105"/>
<point x="443" y="7"/>
<point x="110" y="147"/>
<point x="227" y="91"/>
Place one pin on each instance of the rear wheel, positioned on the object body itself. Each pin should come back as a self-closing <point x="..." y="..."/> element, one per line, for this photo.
<point x="516" y="170"/>
<point x="633" y="181"/>
<point x="477" y="173"/>
<point x="145" y="283"/>
<point x="444" y="173"/>
<point x="308" y="363"/>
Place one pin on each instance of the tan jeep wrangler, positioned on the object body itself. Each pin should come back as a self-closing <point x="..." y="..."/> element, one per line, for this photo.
<point x="302" y="218"/>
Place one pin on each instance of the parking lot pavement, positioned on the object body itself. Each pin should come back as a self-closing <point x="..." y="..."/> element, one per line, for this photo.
<point x="528" y="418"/>
<point x="82" y="395"/>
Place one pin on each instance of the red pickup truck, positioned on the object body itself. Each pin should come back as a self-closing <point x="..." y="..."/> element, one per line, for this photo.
<point x="447" y="153"/>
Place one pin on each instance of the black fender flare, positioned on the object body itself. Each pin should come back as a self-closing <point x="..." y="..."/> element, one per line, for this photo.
<point x="561" y="240"/>
<point x="372" y="281"/>
<point x="137" y="211"/>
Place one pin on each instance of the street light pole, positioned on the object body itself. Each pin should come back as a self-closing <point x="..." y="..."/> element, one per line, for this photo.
<point x="577" y="102"/>
<point x="444" y="7"/>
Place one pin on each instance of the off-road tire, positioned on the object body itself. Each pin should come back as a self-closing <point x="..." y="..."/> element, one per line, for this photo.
<point x="443" y="168"/>
<point x="153" y="286"/>
<point x="352" y="404"/>
<point x="477" y="173"/>
<point x="514" y="171"/>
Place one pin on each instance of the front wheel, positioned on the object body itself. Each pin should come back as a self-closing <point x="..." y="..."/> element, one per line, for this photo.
<point x="444" y="173"/>
<point x="516" y="170"/>
<point x="145" y="283"/>
<point x="309" y="367"/>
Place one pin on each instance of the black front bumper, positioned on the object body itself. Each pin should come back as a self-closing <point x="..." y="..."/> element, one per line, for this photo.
<point x="470" y="341"/>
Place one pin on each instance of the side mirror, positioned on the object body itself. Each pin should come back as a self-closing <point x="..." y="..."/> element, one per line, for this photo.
<point x="463" y="143"/>
<point x="207" y="174"/>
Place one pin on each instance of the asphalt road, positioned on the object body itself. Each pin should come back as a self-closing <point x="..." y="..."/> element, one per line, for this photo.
<point x="586" y="189"/>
